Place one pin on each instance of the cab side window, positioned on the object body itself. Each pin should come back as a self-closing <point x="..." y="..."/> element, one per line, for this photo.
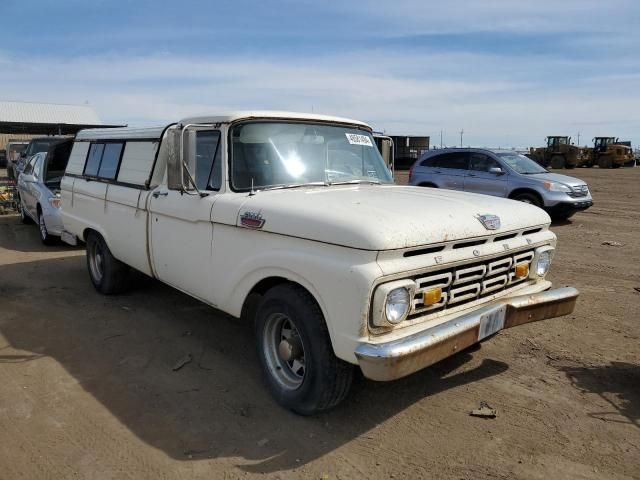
<point x="208" y="165"/>
<point x="482" y="163"/>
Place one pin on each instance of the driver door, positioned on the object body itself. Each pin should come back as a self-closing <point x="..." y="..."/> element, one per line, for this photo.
<point x="181" y="227"/>
<point x="480" y="180"/>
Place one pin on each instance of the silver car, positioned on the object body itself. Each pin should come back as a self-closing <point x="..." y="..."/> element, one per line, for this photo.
<point x="39" y="192"/>
<point x="502" y="173"/>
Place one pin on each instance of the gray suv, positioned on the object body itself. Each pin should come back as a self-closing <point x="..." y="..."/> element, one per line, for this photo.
<point x="502" y="173"/>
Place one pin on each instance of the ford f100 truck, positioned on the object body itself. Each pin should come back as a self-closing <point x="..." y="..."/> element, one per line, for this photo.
<point x="292" y="221"/>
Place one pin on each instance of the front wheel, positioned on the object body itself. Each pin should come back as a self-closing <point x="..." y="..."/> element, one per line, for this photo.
<point x="295" y="352"/>
<point x="528" y="198"/>
<point x="108" y="274"/>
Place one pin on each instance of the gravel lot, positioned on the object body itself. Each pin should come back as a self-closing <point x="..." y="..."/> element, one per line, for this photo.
<point x="87" y="387"/>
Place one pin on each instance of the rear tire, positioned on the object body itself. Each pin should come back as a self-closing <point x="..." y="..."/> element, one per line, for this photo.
<point x="108" y="274"/>
<point x="428" y="185"/>
<point x="529" y="198"/>
<point x="46" y="238"/>
<point x="295" y="352"/>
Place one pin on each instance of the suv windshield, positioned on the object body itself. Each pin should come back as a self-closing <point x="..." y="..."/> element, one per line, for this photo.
<point x="285" y="154"/>
<point x="521" y="164"/>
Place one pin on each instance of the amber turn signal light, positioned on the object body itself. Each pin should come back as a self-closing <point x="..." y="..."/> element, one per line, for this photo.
<point x="522" y="270"/>
<point x="432" y="296"/>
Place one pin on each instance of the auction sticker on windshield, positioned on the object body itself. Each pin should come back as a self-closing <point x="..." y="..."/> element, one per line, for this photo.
<point x="355" y="139"/>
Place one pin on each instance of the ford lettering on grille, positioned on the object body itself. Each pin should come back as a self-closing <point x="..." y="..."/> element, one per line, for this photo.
<point x="470" y="282"/>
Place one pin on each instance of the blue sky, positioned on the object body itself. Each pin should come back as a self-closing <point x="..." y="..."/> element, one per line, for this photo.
<point x="508" y="72"/>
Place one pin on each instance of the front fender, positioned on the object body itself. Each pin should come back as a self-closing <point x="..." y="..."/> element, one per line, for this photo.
<point x="340" y="279"/>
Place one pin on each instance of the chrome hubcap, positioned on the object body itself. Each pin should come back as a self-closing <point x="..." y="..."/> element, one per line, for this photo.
<point x="284" y="351"/>
<point x="95" y="262"/>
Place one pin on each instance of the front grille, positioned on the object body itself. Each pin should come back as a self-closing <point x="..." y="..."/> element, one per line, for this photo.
<point x="579" y="191"/>
<point x="470" y="282"/>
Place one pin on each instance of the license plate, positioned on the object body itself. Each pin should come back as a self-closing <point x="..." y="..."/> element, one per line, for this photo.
<point x="492" y="322"/>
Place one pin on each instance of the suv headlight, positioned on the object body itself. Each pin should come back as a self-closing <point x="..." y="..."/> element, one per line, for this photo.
<point x="392" y="302"/>
<point x="542" y="262"/>
<point x="556" y="187"/>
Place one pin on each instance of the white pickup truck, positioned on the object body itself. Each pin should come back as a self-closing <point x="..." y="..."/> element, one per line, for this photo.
<point x="293" y="222"/>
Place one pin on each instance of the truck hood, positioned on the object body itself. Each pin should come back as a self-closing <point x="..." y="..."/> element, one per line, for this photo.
<point x="382" y="217"/>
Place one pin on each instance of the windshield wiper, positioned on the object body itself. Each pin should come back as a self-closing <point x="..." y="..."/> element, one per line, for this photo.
<point x="371" y="181"/>
<point x="293" y="185"/>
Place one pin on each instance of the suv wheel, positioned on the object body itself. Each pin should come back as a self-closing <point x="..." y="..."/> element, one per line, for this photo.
<point x="529" y="198"/>
<point x="295" y="352"/>
<point x="108" y="274"/>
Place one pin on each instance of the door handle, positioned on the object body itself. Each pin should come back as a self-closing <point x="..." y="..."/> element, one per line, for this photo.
<point x="158" y="194"/>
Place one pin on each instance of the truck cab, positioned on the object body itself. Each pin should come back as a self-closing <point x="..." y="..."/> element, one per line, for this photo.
<point x="292" y="222"/>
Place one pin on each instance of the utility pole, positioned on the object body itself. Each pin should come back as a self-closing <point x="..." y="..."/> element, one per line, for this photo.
<point x="578" y="143"/>
<point x="461" y="134"/>
<point x="440" y="138"/>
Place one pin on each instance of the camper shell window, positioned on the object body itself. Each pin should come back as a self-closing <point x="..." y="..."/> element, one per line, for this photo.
<point x="103" y="160"/>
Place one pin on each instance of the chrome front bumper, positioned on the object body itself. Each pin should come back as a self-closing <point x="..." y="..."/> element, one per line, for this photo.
<point x="398" y="358"/>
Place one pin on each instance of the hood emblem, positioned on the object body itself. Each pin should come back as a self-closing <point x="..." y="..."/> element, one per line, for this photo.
<point x="252" y="220"/>
<point x="490" y="222"/>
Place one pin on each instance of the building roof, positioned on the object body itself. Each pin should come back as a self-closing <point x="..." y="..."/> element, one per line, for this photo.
<point x="46" y="118"/>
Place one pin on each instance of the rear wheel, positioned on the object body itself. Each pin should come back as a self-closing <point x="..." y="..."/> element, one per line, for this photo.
<point x="295" y="352"/>
<point x="108" y="274"/>
<point x="430" y="185"/>
<point x="46" y="238"/>
<point x="529" y="198"/>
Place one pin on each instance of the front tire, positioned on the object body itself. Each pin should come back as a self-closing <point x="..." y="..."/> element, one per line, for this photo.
<point x="529" y="198"/>
<point x="295" y="352"/>
<point x="108" y="274"/>
<point x="558" y="161"/>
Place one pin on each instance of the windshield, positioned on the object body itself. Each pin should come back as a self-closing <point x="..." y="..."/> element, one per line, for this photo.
<point x="521" y="164"/>
<point x="38" y="146"/>
<point x="280" y="154"/>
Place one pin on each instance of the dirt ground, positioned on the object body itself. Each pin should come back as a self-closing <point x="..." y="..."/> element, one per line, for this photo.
<point x="87" y="387"/>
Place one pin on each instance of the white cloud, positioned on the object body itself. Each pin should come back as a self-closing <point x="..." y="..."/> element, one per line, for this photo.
<point x="493" y="100"/>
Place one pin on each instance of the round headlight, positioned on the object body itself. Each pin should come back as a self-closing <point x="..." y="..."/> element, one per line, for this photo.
<point x="543" y="264"/>
<point x="397" y="305"/>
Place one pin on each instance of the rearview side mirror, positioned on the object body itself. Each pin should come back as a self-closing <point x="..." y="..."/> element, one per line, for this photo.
<point x="496" y="171"/>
